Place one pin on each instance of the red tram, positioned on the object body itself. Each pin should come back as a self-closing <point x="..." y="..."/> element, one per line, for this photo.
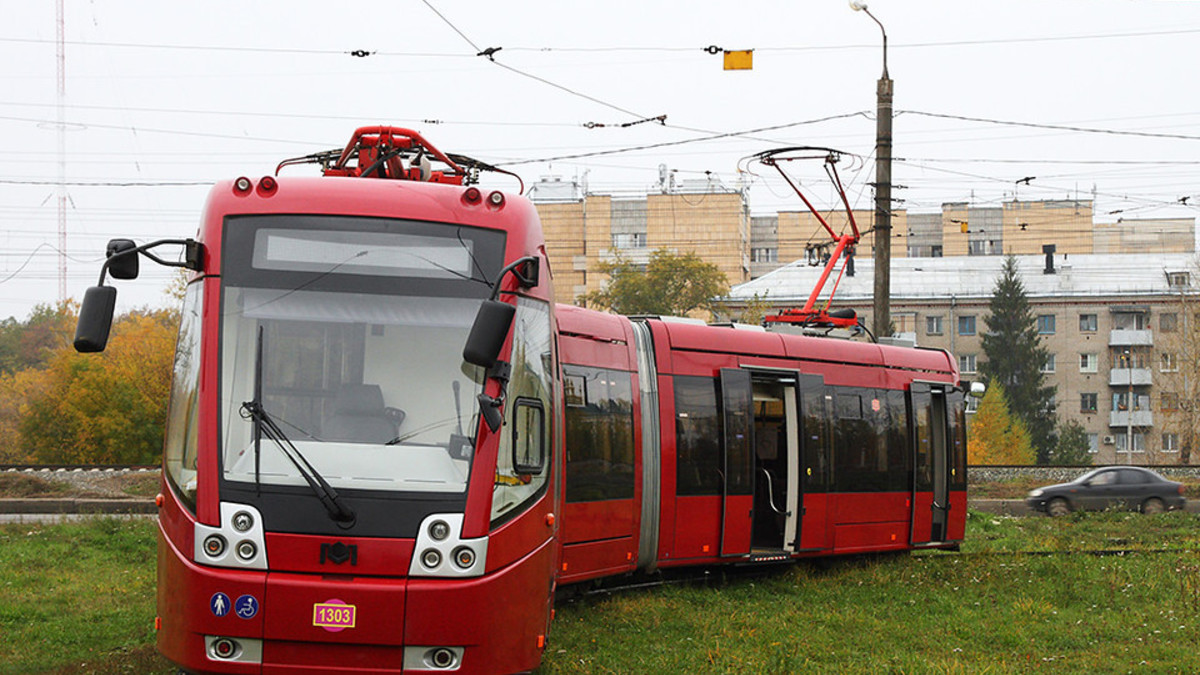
<point x="386" y="445"/>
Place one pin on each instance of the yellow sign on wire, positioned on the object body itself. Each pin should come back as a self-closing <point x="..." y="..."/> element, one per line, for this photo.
<point x="739" y="59"/>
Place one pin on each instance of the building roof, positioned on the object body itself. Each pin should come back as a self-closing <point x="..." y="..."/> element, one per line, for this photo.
<point x="975" y="276"/>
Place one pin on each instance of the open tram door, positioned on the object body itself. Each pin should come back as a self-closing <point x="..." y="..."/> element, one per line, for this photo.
<point x="935" y="462"/>
<point x="765" y="412"/>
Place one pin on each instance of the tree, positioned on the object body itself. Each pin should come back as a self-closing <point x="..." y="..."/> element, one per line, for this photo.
<point x="1072" y="446"/>
<point x="1015" y="358"/>
<point x="94" y="408"/>
<point x="1181" y="382"/>
<point x="998" y="437"/>
<point x="670" y="285"/>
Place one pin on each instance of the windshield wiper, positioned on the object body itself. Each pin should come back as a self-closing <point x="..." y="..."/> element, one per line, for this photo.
<point x="267" y="427"/>
<point x="264" y="425"/>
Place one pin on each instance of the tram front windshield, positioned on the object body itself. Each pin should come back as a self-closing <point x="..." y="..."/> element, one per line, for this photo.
<point x="348" y="332"/>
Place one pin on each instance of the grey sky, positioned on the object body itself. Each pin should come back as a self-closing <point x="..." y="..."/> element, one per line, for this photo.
<point x="162" y="93"/>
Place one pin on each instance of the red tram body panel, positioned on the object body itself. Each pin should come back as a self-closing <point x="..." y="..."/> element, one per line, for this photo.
<point x="344" y="492"/>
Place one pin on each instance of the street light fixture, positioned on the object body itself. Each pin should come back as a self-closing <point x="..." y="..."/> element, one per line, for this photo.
<point x="883" y="187"/>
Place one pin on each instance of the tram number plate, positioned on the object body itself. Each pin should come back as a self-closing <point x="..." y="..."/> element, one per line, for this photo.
<point x="334" y="615"/>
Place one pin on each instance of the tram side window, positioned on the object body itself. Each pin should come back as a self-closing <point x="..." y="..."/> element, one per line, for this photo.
<point x="599" y="427"/>
<point x="958" y="440"/>
<point x="861" y="442"/>
<point x="900" y="461"/>
<point x="179" y="450"/>
<point x="697" y="436"/>
<point x="523" y="464"/>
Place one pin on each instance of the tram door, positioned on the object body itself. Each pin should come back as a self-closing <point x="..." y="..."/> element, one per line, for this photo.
<point x="738" y="461"/>
<point x="777" y="495"/>
<point x="931" y="474"/>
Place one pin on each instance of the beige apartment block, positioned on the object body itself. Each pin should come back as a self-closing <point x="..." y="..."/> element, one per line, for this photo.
<point x="583" y="231"/>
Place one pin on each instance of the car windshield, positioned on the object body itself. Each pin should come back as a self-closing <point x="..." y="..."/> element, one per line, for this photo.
<point x="351" y="342"/>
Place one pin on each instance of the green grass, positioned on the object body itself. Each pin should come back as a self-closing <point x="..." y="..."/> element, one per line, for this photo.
<point x="78" y="598"/>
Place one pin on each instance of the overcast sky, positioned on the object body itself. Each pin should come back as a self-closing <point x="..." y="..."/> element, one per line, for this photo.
<point x="1093" y="98"/>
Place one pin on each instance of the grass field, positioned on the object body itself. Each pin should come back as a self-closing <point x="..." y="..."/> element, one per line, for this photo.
<point x="78" y="598"/>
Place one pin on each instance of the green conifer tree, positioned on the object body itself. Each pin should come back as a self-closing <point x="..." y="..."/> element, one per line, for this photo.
<point x="1015" y="357"/>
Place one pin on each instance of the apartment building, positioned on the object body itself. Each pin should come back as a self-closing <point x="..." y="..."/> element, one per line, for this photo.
<point x="713" y="220"/>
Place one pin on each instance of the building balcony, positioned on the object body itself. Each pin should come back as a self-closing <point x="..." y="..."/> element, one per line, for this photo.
<point x="1124" y="377"/>
<point x="1121" y="419"/>
<point x="1131" y="338"/>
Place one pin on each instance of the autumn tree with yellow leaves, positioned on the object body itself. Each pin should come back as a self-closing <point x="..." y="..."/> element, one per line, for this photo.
<point x="997" y="436"/>
<point x="107" y="408"/>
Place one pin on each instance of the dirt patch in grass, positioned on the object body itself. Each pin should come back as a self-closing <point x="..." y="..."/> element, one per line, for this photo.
<point x="143" y="660"/>
<point x="79" y="485"/>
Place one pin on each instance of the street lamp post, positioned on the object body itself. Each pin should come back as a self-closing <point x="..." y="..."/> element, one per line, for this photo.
<point x="883" y="186"/>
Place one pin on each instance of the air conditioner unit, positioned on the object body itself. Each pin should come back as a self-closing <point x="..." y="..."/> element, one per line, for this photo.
<point x="1109" y="440"/>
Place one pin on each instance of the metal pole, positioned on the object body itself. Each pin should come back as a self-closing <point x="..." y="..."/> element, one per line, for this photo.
<point x="883" y="190"/>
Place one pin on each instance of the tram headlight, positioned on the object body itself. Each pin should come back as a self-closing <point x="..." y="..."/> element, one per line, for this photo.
<point x="243" y="521"/>
<point x="431" y="558"/>
<point x="464" y="557"/>
<point x="214" y="545"/>
<point x="246" y="550"/>
<point x="224" y="648"/>
<point x="439" y="530"/>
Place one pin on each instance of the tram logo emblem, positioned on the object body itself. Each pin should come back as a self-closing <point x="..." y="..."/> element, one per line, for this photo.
<point x="339" y="553"/>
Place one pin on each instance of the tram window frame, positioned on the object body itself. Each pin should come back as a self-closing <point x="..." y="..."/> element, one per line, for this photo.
<point x="599" y="434"/>
<point x="698" y="433"/>
<point x="183" y="409"/>
<point x="527" y="462"/>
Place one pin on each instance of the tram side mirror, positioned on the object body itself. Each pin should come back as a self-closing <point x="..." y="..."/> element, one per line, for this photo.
<point x="488" y="333"/>
<point x="95" y="319"/>
<point x="122" y="265"/>
<point x="977" y="390"/>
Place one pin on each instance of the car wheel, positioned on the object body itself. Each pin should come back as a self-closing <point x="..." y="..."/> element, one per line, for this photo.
<point x="1058" y="507"/>
<point x="1152" y="505"/>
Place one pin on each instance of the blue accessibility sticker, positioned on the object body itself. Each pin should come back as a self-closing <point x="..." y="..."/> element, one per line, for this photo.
<point x="246" y="607"/>
<point x="219" y="604"/>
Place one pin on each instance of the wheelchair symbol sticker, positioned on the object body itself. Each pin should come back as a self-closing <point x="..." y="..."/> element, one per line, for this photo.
<point x="246" y="607"/>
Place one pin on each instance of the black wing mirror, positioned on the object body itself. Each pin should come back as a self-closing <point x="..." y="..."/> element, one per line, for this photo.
<point x="99" y="301"/>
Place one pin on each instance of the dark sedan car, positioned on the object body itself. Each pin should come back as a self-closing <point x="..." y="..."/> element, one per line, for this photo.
<point x="1119" y="487"/>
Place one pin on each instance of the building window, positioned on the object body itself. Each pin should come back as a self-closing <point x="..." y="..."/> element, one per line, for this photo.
<point x="1088" y="363"/>
<point x="1087" y="323"/>
<point x="966" y="325"/>
<point x="1169" y="400"/>
<point x="1168" y="322"/>
<point x="1048" y="366"/>
<point x="1130" y="321"/>
<point x="1178" y="280"/>
<point x="1139" y="444"/>
<point x="1167" y="363"/>
<point x="764" y="255"/>
<point x="1170" y="442"/>
<point x="933" y="325"/>
<point x="966" y="363"/>
<point x="1088" y="402"/>
<point x="1093" y="443"/>
<point x="629" y="240"/>
<point x="935" y="251"/>
<point x="1045" y="324"/>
